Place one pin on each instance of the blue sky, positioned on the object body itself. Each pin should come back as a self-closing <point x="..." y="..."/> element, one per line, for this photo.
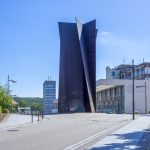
<point x="29" y="38"/>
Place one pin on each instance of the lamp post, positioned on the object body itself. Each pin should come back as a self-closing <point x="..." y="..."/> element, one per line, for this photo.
<point x="8" y="85"/>
<point x="133" y="70"/>
<point x="145" y="98"/>
<point x="145" y="95"/>
<point x="99" y="105"/>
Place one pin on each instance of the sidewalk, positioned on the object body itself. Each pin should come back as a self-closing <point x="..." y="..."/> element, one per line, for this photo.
<point x="135" y="135"/>
<point x="15" y="120"/>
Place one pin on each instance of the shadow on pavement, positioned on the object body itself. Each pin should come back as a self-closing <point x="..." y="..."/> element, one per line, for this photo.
<point x="130" y="140"/>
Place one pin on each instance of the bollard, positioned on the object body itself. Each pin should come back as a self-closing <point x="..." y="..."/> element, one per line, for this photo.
<point x="42" y="114"/>
<point x="32" y="116"/>
<point x="38" y="116"/>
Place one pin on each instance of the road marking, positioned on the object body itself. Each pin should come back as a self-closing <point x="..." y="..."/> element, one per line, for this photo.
<point x="84" y="142"/>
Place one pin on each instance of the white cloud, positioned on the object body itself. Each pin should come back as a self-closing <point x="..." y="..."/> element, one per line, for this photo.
<point x="113" y="48"/>
<point x="110" y="44"/>
<point x="109" y="39"/>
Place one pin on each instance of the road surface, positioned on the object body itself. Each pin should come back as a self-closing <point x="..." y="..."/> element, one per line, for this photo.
<point x="59" y="131"/>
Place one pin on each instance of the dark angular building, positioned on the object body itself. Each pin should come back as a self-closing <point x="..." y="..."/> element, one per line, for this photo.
<point x="77" y="74"/>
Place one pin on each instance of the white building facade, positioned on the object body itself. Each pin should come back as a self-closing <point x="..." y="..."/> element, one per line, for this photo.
<point x="116" y="96"/>
<point x="125" y="71"/>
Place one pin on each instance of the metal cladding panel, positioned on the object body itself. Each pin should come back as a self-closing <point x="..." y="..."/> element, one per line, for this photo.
<point x="77" y="67"/>
<point x="89" y="34"/>
<point x="86" y="51"/>
<point x="71" y="70"/>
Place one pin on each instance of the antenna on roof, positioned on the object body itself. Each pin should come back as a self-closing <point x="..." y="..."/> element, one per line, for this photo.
<point x="76" y="18"/>
<point x="49" y="78"/>
<point x="143" y="60"/>
<point x="124" y="60"/>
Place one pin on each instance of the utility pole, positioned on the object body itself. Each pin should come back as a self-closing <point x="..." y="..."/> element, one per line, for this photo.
<point x="99" y="103"/>
<point x="133" y="70"/>
<point x="145" y="99"/>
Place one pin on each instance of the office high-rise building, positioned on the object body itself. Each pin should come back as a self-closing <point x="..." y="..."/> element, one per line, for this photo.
<point x="77" y="74"/>
<point x="49" y="95"/>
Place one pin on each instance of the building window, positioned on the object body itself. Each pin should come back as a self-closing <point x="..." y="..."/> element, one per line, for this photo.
<point x="113" y="73"/>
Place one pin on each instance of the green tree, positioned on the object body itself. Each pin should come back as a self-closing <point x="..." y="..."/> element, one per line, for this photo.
<point x="23" y="103"/>
<point x="36" y="106"/>
<point x="5" y="98"/>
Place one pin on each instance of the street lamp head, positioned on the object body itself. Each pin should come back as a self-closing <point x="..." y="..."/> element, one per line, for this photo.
<point x="13" y="81"/>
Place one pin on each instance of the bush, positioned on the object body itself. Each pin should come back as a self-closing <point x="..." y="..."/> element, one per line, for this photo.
<point x="5" y="110"/>
<point x="0" y="109"/>
<point x="14" y="109"/>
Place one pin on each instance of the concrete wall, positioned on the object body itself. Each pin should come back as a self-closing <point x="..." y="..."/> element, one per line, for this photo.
<point x="139" y="93"/>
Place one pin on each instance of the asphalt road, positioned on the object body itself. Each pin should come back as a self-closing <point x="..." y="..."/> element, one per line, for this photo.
<point x="58" y="132"/>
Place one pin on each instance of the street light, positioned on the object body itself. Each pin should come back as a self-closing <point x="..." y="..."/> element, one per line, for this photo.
<point x="8" y="86"/>
<point x="133" y="70"/>
<point x="145" y="96"/>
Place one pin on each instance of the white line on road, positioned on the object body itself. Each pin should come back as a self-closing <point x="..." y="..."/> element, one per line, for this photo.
<point x="84" y="142"/>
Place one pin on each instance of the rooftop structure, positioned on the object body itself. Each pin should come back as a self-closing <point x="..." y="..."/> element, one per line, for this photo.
<point x="125" y="71"/>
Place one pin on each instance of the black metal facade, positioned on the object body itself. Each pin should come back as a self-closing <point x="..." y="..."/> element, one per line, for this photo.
<point x="77" y="74"/>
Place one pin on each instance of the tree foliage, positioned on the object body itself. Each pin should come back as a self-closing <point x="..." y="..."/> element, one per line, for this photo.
<point x="23" y="103"/>
<point x="0" y="109"/>
<point x="35" y="103"/>
<point x="36" y="106"/>
<point x="5" y="98"/>
<point x="5" y="110"/>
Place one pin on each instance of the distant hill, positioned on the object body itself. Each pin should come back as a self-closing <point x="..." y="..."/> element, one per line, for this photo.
<point x="30" y="100"/>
